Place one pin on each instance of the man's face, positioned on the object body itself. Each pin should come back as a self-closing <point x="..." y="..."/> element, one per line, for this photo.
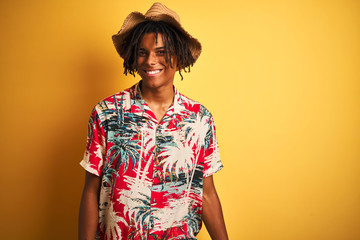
<point x="151" y="64"/>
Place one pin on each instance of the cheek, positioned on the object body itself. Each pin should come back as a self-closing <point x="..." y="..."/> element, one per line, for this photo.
<point x="163" y="62"/>
<point x="139" y="61"/>
<point x="173" y="64"/>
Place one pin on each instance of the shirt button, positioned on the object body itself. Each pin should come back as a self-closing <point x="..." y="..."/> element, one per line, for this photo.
<point x="154" y="200"/>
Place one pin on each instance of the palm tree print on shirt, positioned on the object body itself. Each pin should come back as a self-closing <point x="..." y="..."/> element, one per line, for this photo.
<point x="152" y="172"/>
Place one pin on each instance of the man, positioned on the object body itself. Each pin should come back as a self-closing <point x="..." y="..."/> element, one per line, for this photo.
<point x="151" y="151"/>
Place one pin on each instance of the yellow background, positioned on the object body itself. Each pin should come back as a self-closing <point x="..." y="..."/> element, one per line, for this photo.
<point x="282" y="79"/>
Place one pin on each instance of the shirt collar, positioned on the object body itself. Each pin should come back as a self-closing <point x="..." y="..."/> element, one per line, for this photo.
<point x="138" y="106"/>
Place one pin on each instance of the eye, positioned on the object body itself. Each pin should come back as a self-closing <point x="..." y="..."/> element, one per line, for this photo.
<point x="161" y="53"/>
<point x="142" y="53"/>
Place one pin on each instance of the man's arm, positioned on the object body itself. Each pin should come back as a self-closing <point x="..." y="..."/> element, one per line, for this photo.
<point x="88" y="214"/>
<point x="212" y="212"/>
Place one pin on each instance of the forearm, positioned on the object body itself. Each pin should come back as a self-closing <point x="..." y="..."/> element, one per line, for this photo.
<point x="88" y="218"/>
<point x="88" y="213"/>
<point x="213" y="215"/>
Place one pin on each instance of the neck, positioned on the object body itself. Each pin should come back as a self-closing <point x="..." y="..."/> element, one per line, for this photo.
<point x="161" y="97"/>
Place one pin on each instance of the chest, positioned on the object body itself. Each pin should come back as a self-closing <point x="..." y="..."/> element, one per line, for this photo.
<point x="172" y="146"/>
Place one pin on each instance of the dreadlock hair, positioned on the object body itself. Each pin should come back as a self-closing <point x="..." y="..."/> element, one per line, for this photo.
<point x="175" y="43"/>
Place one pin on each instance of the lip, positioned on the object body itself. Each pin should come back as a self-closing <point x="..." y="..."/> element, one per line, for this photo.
<point x="152" y="72"/>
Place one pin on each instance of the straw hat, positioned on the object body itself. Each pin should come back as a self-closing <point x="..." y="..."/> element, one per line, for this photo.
<point x="157" y="12"/>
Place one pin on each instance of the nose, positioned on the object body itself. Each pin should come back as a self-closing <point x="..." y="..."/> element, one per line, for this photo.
<point x="151" y="59"/>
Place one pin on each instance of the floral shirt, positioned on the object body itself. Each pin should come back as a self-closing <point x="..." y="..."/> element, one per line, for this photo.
<point x="152" y="172"/>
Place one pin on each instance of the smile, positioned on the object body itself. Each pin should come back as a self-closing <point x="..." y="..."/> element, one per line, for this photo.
<point x="152" y="72"/>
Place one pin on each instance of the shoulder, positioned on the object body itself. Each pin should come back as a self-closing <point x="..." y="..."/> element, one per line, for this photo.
<point x="114" y="101"/>
<point x="108" y="107"/>
<point x="194" y="106"/>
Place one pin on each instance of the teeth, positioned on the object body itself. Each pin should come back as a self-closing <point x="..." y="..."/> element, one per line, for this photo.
<point x="153" y="72"/>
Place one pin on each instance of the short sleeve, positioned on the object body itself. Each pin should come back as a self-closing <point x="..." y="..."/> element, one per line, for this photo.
<point x="212" y="162"/>
<point x="95" y="148"/>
